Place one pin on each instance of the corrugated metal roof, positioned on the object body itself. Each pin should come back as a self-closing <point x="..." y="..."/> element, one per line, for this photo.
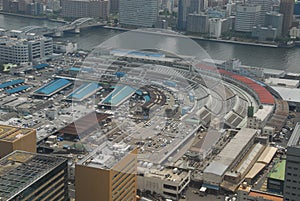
<point x="230" y="152"/>
<point x="264" y="95"/>
<point x="257" y="167"/>
<point x="267" y="155"/>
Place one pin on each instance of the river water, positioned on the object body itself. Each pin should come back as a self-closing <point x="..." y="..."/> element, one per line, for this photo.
<point x="276" y="58"/>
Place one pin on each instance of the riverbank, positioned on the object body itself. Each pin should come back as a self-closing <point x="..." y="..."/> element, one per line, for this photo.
<point x="195" y="37"/>
<point x="57" y="20"/>
<point x="27" y="16"/>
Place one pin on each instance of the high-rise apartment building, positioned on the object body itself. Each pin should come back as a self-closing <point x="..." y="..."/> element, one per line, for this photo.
<point x="138" y="13"/>
<point x="287" y="9"/>
<point x="197" y="23"/>
<point x="266" y="6"/>
<point x="274" y="19"/>
<point x="247" y="16"/>
<point x="108" y="173"/>
<point x="292" y="168"/>
<point x="85" y="8"/>
<point x="28" y="176"/>
<point x="114" y="6"/>
<point x="15" y="138"/>
<point x="186" y="7"/>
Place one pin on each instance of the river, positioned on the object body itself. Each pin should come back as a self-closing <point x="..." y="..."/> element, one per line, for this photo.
<point x="276" y="58"/>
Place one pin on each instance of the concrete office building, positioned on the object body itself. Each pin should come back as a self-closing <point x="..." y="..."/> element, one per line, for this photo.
<point x="85" y="8"/>
<point x="295" y="32"/>
<point x="264" y="33"/>
<point x="114" y="6"/>
<point x="186" y="7"/>
<point x="217" y="26"/>
<point x="14" y="138"/>
<point x="18" y="47"/>
<point x="29" y="176"/>
<point x="39" y="47"/>
<point x="13" y="51"/>
<point x="183" y="11"/>
<point x="275" y="20"/>
<point x="292" y="168"/>
<point x="266" y="6"/>
<point x="138" y="13"/>
<point x="169" y="183"/>
<point x="287" y="9"/>
<point x="197" y="23"/>
<point x="275" y="178"/>
<point x="247" y="16"/>
<point x="108" y="173"/>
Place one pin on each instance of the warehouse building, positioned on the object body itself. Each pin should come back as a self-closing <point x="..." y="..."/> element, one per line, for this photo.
<point x="229" y="157"/>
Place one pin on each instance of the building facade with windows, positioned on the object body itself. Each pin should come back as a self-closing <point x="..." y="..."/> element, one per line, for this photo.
<point x="85" y="8"/>
<point x="287" y="9"/>
<point x="108" y="173"/>
<point x="29" y="176"/>
<point x="15" y="138"/>
<point x="170" y="183"/>
<point x="292" y="168"/>
<point x="19" y="47"/>
<point x="138" y="13"/>
<point x="247" y="16"/>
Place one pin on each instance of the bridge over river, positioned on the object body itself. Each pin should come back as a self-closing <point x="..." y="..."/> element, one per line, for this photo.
<point x="58" y="31"/>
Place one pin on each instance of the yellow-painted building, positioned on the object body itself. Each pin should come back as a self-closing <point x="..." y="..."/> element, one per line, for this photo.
<point x="15" y="138"/>
<point x="107" y="175"/>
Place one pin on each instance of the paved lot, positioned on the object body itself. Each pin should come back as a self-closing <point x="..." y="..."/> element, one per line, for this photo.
<point x="191" y="196"/>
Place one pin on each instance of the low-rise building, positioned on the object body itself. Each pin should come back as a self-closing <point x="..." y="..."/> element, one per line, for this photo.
<point x="295" y="32"/>
<point x="169" y="183"/>
<point x="264" y="33"/>
<point x="228" y="158"/>
<point x="260" y="118"/>
<point x="275" y="178"/>
<point x="246" y="193"/>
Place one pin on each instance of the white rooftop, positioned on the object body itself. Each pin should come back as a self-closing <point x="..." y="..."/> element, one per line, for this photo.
<point x="282" y="82"/>
<point x="263" y="113"/>
<point x="270" y="71"/>
<point x="230" y="152"/>
<point x="288" y="94"/>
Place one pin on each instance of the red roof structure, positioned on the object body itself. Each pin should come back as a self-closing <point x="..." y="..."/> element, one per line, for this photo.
<point x="265" y="97"/>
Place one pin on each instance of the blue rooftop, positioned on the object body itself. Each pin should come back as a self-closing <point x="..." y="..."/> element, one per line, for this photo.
<point x="119" y="94"/>
<point x="75" y="69"/>
<point x="53" y="86"/>
<point x="11" y="83"/>
<point x="84" y="90"/>
<point x="17" y="89"/>
<point x="138" y="53"/>
<point x="40" y="66"/>
<point x="147" y="98"/>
